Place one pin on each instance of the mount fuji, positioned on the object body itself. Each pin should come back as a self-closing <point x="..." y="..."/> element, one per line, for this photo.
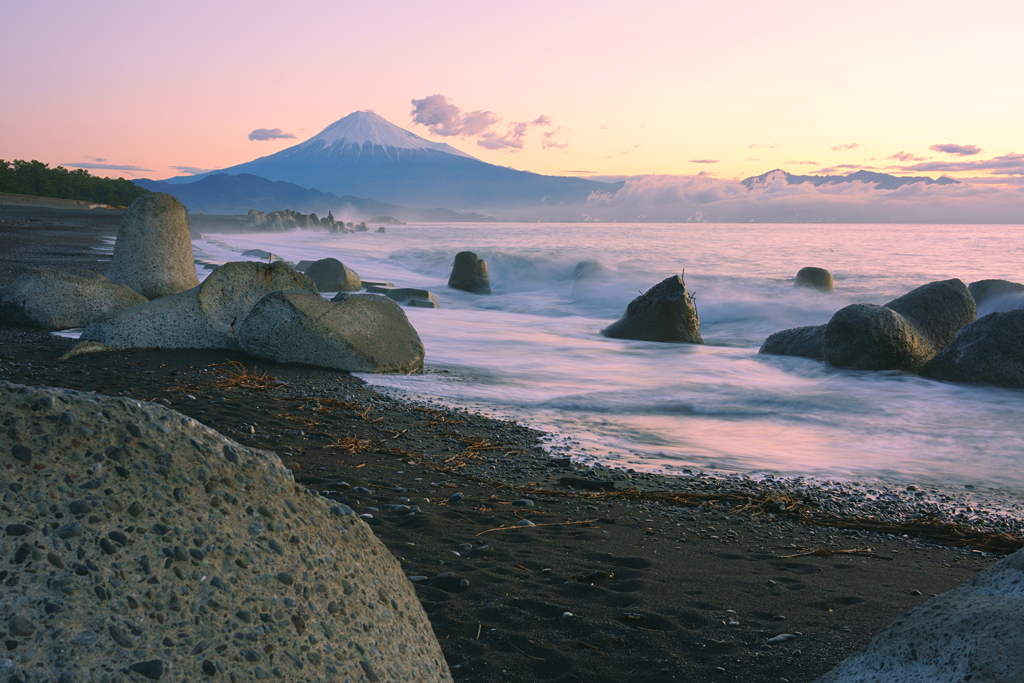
<point x="365" y="155"/>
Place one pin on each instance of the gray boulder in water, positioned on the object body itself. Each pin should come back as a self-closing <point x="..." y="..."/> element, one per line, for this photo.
<point x="331" y="275"/>
<point x="153" y="251"/>
<point x="997" y="296"/>
<point x="971" y="633"/>
<point x="664" y="313"/>
<point x="350" y="611"/>
<point x="59" y="298"/>
<point x="586" y="275"/>
<point x="806" y="342"/>
<point x="204" y="317"/>
<point x="469" y="273"/>
<point x="904" y="334"/>
<point x="816" y="278"/>
<point x="354" y="332"/>
<point x="988" y="351"/>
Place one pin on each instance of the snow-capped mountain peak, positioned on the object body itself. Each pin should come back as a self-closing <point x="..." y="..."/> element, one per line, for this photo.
<point x="362" y="127"/>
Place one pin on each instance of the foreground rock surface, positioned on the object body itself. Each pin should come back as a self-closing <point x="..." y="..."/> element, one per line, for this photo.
<point x="204" y="317"/>
<point x="354" y="332"/>
<point x="988" y="351"/>
<point x="664" y="313"/>
<point x="331" y="275"/>
<point x="469" y="273"/>
<point x="971" y="633"/>
<point x="60" y="298"/>
<point x="167" y="551"/>
<point x="153" y="251"/>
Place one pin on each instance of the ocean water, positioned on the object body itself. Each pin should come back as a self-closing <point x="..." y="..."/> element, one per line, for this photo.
<point x="532" y="351"/>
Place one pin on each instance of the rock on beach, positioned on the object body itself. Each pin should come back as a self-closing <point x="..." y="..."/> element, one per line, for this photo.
<point x="354" y="332"/>
<point x="664" y="313"/>
<point x="61" y="298"/>
<point x="331" y="275"/>
<point x="815" y="278"/>
<point x="469" y="273"/>
<point x="204" y="317"/>
<point x="988" y="351"/>
<point x="153" y="251"/>
<point x="171" y="552"/>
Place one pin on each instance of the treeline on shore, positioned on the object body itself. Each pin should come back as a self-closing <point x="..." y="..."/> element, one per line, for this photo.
<point x="38" y="179"/>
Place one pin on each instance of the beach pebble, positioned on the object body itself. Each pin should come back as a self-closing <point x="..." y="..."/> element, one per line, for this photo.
<point x="781" y="638"/>
<point x="524" y="503"/>
<point x="525" y="522"/>
<point x="456" y="496"/>
<point x="566" y="615"/>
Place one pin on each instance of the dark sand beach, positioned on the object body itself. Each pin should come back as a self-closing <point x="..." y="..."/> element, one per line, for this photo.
<point x="660" y="579"/>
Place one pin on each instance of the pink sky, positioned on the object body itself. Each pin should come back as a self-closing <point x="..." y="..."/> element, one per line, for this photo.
<point x="732" y="88"/>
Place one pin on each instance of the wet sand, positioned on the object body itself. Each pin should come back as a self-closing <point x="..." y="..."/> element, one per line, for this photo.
<point x="681" y="579"/>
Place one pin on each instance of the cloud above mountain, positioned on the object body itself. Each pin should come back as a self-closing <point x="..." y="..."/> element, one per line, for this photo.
<point x="1006" y="164"/>
<point x="958" y="150"/>
<point x="442" y="117"/>
<point x="705" y="197"/>
<point x="269" y="134"/>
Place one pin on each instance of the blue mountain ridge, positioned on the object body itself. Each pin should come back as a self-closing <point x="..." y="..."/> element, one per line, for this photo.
<point x="221" y="193"/>
<point x="365" y="155"/>
<point x="882" y="181"/>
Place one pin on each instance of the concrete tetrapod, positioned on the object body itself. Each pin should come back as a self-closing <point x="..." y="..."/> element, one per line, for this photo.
<point x="168" y="551"/>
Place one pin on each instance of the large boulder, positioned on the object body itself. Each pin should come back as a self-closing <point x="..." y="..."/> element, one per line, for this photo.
<point x="988" y="351"/>
<point x="59" y="298"/>
<point x="166" y="551"/>
<point x="204" y="317"/>
<point x="816" y="278"/>
<point x="469" y="273"/>
<point x="354" y="332"/>
<point x="797" y="341"/>
<point x="997" y="296"/>
<point x="153" y="251"/>
<point x="664" y="313"/>
<point x="331" y="275"/>
<point x="902" y="335"/>
<point x="971" y="633"/>
<point x="411" y="296"/>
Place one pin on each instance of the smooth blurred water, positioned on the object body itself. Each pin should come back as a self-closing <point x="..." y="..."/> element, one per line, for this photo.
<point x="532" y="351"/>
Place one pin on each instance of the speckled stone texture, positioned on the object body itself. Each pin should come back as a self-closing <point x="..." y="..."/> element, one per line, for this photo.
<point x="204" y="317"/>
<point x="971" y="633"/>
<point x="61" y="298"/>
<point x="354" y="332"/>
<point x="153" y="251"/>
<point x="796" y="341"/>
<point x="139" y="545"/>
<point x="988" y="351"/>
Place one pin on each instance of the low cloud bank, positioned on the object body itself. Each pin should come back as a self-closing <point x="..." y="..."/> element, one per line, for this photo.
<point x="703" y="197"/>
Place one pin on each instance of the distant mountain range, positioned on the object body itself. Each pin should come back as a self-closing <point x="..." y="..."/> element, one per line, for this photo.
<point x="882" y="181"/>
<point x="221" y="193"/>
<point x="365" y="155"/>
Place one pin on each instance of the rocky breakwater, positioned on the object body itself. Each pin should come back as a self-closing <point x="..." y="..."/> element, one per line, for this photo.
<point x="971" y="633"/>
<point x="904" y="334"/>
<point x="664" y="313"/>
<point x="153" y="251"/>
<point x="61" y="298"/>
<point x="140" y="545"/>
